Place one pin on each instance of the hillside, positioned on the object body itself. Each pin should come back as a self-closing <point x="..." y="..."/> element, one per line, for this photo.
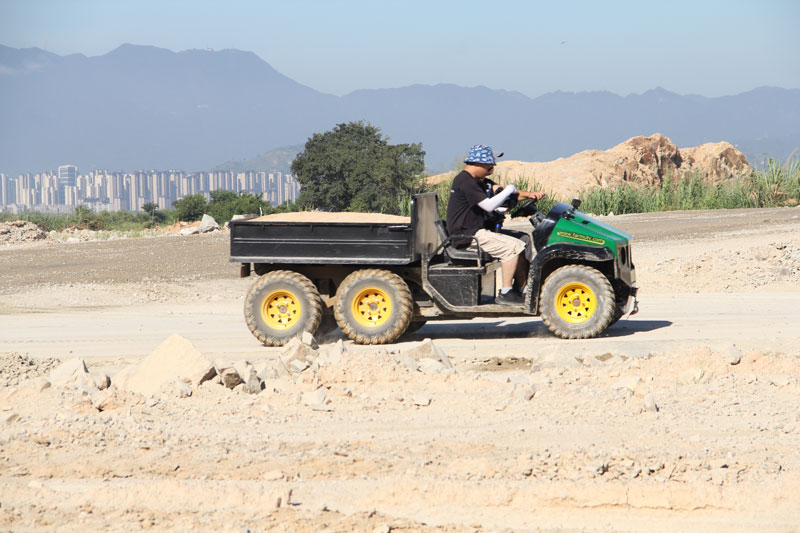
<point x="140" y="107"/>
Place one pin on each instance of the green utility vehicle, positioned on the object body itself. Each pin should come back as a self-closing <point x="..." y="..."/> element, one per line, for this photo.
<point x="381" y="280"/>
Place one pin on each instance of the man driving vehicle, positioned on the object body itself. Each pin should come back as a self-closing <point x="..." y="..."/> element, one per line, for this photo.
<point x="473" y="199"/>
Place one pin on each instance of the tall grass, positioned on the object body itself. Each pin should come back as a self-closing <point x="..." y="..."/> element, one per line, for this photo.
<point x="775" y="185"/>
<point x="84" y="218"/>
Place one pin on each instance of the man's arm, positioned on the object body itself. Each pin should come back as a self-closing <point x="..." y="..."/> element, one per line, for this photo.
<point x="537" y="195"/>
<point x="490" y="204"/>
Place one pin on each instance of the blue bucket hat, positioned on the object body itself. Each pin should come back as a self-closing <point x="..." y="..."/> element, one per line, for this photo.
<point x="480" y="153"/>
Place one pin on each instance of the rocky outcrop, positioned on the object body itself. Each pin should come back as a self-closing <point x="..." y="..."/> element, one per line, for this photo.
<point x="639" y="160"/>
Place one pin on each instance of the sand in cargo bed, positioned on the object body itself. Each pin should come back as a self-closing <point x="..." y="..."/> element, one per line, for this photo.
<point x="327" y="216"/>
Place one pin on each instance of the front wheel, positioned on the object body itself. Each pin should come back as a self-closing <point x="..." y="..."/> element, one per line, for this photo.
<point x="281" y="305"/>
<point x="577" y="302"/>
<point x="373" y="306"/>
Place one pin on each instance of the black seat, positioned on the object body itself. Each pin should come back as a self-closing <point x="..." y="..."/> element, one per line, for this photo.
<point x="457" y="254"/>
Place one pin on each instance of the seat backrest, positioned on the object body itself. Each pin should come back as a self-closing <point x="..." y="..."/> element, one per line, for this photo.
<point x="441" y="229"/>
<point x="455" y="254"/>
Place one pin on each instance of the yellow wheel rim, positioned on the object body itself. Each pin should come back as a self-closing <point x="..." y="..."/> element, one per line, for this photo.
<point x="281" y="310"/>
<point x="372" y="307"/>
<point x="576" y="303"/>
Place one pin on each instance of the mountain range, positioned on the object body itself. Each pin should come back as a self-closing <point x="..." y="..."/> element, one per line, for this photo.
<point x="142" y="107"/>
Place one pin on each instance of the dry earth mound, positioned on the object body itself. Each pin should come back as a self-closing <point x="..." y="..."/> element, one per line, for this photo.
<point x="640" y="160"/>
<point x="18" y="231"/>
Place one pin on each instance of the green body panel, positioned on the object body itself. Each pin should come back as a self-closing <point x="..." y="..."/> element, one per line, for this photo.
<point x="587" y="231"/>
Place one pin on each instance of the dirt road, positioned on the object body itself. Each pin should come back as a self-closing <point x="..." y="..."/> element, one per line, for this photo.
<point x="648" y="427"/>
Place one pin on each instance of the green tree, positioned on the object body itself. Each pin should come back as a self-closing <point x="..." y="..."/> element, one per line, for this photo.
<point x="156" y="216"/>
<point x="191" y="207"/>
<point x="353" y="167"/>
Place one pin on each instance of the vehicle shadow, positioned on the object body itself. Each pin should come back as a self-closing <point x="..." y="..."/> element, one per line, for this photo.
<point x="499" y="329"/>
<point x="623" y="328"/>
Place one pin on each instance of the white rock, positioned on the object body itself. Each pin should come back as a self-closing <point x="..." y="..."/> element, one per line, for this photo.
<point x="101" y="380"/>
<point x="72" y="373"/>
<point x="649" y="403"/>
<point x="207" y="224"/>
<point x="422" y="400"/>
<point x="308" y="339"/>
<point x="427" y="349"/>
<point x="295" y="350"/>
<point x="175" y="357"/>
<point x="525" y="392"/>
<point x="189" y="231"/>
<point x="733" y="355"/>
<point x="628" y="382"/>
<point x="176" y="388"/>
<point x="555" y="359"/>
<point x="431" y="366"/>
<point x="316" y="397"/>
<point x="331" y="354"/>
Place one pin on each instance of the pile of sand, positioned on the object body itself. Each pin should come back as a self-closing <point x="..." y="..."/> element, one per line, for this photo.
<point x="327" y="216"/>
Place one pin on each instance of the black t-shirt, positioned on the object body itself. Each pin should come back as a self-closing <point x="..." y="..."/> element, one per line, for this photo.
<point x="464" y="217"/>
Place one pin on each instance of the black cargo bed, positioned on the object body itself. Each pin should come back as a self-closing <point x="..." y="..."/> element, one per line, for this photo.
<point x="322" y="242"/>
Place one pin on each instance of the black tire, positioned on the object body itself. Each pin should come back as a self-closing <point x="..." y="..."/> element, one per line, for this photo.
<point x="373" y="306"/>
<point x="281" y="305"/>
<point x="577" y="302"/>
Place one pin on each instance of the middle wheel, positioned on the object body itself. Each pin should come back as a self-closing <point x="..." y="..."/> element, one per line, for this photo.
<point x="373" y="306"/>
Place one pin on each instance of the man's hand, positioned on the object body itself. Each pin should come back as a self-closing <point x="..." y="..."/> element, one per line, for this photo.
<point x="532" y="195"/>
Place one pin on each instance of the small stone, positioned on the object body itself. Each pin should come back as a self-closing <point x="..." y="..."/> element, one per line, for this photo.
<point x="421" y="400"/>
<point x="332" y="354"/>
<point x="176" y="388"/>
<point x="649" y="403"/>
<point x="629" y="382"/>
<point x="525" y="392"/>
<point x="427" y="349"/>
<point x="253" y="385"/>
<point x="733" y="355"/>
<point x="295" y="350"/>
<point x="308" y="339"/>
<point x="231" y="378"/>
<point x="13" y="417"/>
<point x="101" y="381"/>
<point x="316" y="397"/>
<point x="72" y="373"/>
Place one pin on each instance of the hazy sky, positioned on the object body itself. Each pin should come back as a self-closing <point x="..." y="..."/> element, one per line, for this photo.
<point x="711" y="48"/>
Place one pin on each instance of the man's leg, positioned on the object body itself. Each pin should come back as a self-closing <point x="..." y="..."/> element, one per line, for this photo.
<point x="508" y="270"/>
<point x="520" y="275"/>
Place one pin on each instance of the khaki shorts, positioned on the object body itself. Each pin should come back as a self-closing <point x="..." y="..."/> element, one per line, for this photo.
<point x="498" y="245"/>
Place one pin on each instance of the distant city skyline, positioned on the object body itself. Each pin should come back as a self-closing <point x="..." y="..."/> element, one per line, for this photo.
<point x="711" y="48"/>
<point x="101" y="190"/>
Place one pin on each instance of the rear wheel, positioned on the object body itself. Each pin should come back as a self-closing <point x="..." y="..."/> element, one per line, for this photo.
<point x="281" y="305"/>
<point x="373" y="306"/>
<point x="577" y="302"/>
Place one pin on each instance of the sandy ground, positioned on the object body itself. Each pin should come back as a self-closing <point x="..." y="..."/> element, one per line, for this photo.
<point x="646" y="428"/>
